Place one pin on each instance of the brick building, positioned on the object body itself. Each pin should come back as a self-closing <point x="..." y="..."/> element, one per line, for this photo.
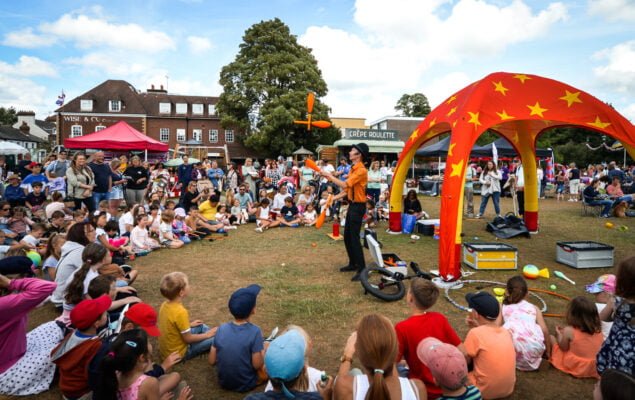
<point x="188" y="121"/>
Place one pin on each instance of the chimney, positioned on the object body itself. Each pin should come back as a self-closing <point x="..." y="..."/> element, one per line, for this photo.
<point x="161" y="87"/>
<point x="25" y="128"/>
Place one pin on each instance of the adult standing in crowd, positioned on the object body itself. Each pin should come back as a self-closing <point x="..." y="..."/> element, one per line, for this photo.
<point x="249" y="175"/>
<point x="373" y="189"/>
<point x="306" y="175"/>
<point x="215" y="175"/>
<point x="103" y="178"/>
<point x="59" y="166"/>
<point x="116" y="193"/>
<point x="490" y="187"/>
<point x="137" y="178"/>
<point x="24" y="166"/>
<point x="355" y="189"/>
<point x="342" y="170"/>
<point x="232" y="177"/>
<point x="614" y="171"/>
<point x="468" y="190"/>
<point x="184" y="173"/>
<point x="80" y="182"/>
<point x="574" y="182"/>
<point x="272" y="172"/>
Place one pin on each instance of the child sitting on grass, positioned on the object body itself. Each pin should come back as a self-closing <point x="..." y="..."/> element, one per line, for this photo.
<point x="526" y="324"/>
<point x="178" y="333"/>
<point x="166" y="237"/>
<point x="263" y="217"/>
<point x="52" y="256"/>
<point x="603" y="290"/>
<point x="139" y="239"/>
<point x="489" y="347"/>
<point x="448" y="368"/>
<point x="382" y="208"/>
<point x="309" y="217"/>
<point x="370" y="218"/>
<point x="238" y="350"/>
<point x="289" y="214"/>
<point x="35" y="200"/>
<point x="422" y="324"/>
<point x="239" y="214"/>
<point x="180" y="228"/>
<point x="576" y="346"/>
<point x="223" y="217"/>
<point x="32" y="239"/>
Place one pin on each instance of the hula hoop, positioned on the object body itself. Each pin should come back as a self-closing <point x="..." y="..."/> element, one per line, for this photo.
<point x="463" y="308"/>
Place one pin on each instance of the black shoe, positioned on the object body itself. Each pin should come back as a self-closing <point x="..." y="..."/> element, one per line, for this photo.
<point x="356" y="277"/>
<point x="348" y="268"/>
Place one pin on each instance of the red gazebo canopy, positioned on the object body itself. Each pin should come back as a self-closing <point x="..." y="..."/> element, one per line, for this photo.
<point x="119" y="136"/>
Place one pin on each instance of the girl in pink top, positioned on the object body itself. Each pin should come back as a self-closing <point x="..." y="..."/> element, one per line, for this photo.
<point x="577" y="344"/>
<point x="123" y="370"/>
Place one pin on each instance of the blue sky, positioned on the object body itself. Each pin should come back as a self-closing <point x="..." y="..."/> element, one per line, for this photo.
<point x="370" y="51"/>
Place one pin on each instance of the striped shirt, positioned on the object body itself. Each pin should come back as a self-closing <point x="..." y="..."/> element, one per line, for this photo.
<point x="472" y="393"/>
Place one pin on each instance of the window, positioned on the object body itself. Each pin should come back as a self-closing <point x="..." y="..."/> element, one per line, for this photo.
<point x="213" y="135"/>
<point x="180" y="135"/>
<point x="86" y="105"/>
<point x="197" y="134"/>
<point x="99" y="128"/>
<point x="181" y="108"/>
<point x="383" y="125"/>
<point x="211" y="109"/>
<point x="165" y="108"/>
<point x="164" y="134"/>
<point x="114" y="105"/>
<point x="229" y="136"/>
<point x="76" y="130"/>
<point x="197" y="109"/>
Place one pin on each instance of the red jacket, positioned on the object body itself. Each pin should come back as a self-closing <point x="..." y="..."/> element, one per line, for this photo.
<point x="72" y="357"/>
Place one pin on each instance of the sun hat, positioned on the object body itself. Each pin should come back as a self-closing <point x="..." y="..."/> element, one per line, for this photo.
<point x="243" y="301"/>
<point x="88" y="311"/>
<point x="145" y="316"/>
<point x="605" y="283"/>
<point x="179" y="212"/>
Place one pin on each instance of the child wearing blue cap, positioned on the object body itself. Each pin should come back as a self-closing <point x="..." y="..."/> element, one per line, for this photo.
<point x="285" y="365"/>
<point x="238" y="349"/>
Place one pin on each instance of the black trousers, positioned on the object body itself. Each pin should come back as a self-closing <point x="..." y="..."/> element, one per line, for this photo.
<point x="520" y="196"/>
<point x="354" y="218"/>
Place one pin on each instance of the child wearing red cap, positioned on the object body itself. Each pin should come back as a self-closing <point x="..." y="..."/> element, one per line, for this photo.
<point x="78" y="348"/>
<point x="447" y="365"/>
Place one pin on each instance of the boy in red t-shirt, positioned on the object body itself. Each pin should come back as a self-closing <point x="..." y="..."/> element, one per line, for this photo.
<point x="422" y="324"/>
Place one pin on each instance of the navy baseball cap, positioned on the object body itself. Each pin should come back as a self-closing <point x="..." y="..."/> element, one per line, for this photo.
<point x="243" y="301"/>
<point x="484" y="304"/>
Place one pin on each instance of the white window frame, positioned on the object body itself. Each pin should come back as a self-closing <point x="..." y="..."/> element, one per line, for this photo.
<point x="99" y="128"/>
<point x="114" y="105"/>
<point x="165" y="108"/>
<point x="197" y="134"/>
<point x="181" y="135"/>
<point x="211" y="109"/>
<point x="198" y="109"/>
<point x="213" y="135"/>
<point x="86" y="105"/>
<point x="181" y="108"/>
<point x="229" y="136"/>
<point x="76" y="130"/>
<point x="164" y="135"/>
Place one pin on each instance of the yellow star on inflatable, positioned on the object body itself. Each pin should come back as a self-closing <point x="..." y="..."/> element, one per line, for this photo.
<point x="452" y="111"/>
<point x="522" y="77"/>
<point x="504" y="116"/>
<point x="451" y="99"/>
<point x="537" y="110"/>
<point x="414" y="135"/>
<point x="454" y="123"/>
<point x="457" y="169"/>
<point x="474" y="119"/>
<point x="515" y="137"/>
<point x="432" y="123"/>
<point x="451" y="148"/>
<point x="598" y="123"/>
<point x="571" y="98"/>
<point x="498" y="87"/>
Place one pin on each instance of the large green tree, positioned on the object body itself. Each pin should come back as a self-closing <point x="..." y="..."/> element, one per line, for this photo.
<point x="7" y="116"/>
<point x="413" y="105"/>
<point x="265" y="89"/>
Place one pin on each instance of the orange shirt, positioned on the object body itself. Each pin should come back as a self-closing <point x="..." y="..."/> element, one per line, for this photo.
<point x="356" y="183"/>
<point x="492" y="350"/>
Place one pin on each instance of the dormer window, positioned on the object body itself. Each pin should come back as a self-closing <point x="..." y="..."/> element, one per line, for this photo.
<point x="86" y="105"/>
<point x="165" y="108"/>
<point x="181" y="108"/>
<point x="197" y="109"/>
<point x="114" y="105"/>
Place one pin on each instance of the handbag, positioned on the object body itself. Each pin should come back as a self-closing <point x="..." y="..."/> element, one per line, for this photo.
<point x="408" y="223"/>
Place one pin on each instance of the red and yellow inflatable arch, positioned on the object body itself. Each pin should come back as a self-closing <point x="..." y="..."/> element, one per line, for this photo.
<point x="518" y="107"/>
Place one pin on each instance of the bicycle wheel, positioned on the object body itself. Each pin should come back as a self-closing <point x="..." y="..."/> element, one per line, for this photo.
<point x="382" y="284"/>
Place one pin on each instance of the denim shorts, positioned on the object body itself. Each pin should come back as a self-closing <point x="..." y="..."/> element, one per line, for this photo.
<point x="116" y="193"/>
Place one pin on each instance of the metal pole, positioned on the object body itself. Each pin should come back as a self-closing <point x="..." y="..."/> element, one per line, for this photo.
<point x="146" y="155"/>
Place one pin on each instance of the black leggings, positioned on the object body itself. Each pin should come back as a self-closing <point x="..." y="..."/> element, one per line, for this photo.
<point x="88" y="202"/>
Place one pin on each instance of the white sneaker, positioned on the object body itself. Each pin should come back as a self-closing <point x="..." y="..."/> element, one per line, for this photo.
<point x="259" y="230"/>
<point x="571" y="200"/>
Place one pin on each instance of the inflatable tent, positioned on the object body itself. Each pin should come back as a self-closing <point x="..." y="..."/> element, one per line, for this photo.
<point x="518" y="107"/>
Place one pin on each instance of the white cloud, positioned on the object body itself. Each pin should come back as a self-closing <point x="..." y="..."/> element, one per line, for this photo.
<point x="28" y="66"/>
<point x="441" y="88"/>
<point x="112" y="63"/>
<point x="619" y="71"/>
<point x="198" y="44"/>
<point x="23" y="94"/>
<point x="398" y="41"/>
<point x="613" y="10"/>
<point x="629" y="112"/>
<point x="26" y="39"/>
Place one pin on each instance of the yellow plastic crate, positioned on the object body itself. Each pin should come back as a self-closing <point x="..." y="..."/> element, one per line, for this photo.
<point x="490" y="256"/>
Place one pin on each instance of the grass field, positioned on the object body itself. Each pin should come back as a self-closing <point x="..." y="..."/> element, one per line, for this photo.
<point x="301" y="285"/>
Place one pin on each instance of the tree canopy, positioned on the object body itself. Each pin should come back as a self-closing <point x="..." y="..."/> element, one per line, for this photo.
<point x="8" y="116"/>
<point x="265" y="89"/>
<point x="413" y="105"/>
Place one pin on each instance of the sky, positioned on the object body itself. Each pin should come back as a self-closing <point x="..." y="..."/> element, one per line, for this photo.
<point x="370" y="52"/>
